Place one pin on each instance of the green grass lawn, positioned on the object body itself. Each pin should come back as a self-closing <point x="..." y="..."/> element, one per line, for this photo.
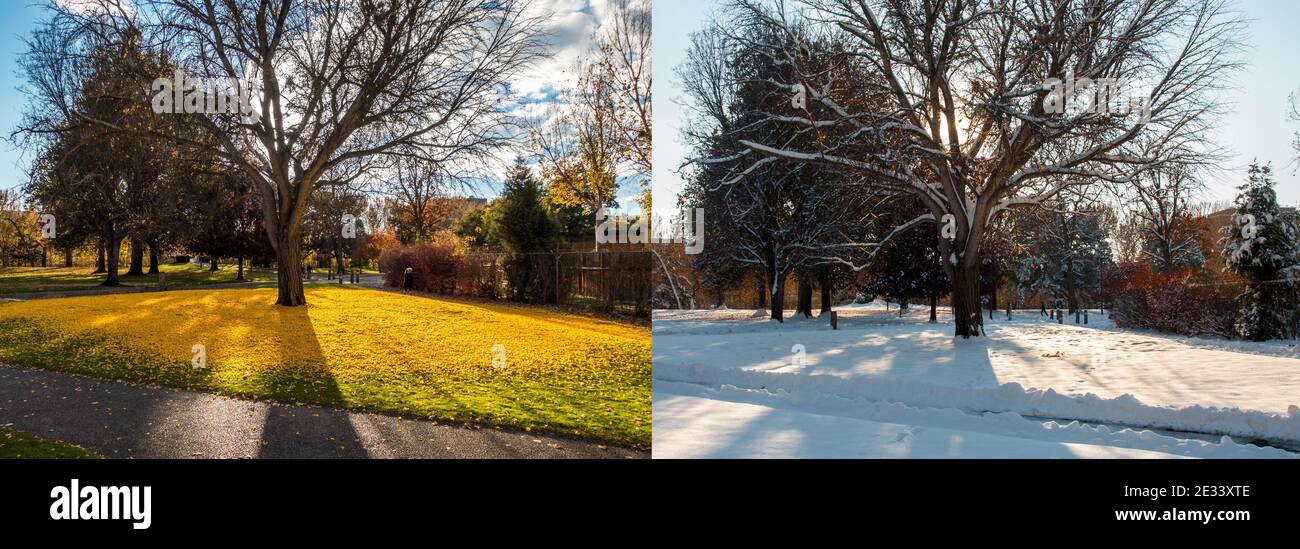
<point x="22" y="280"/>
<point x="355" y="348"/>
<point x="20" y="445"/>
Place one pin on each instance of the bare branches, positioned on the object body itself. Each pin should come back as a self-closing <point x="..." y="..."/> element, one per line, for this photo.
<point x="336" y="86"/>
<point x="957" y="103"/>
<point x="626" y="58"/>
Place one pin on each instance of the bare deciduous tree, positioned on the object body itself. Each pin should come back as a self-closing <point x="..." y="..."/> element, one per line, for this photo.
<point x="626" y="57"/>
<point x="578" y="147"/>
<point x="967" y="130"/>
<point x="418" y="189"/>
<point x="336" y="85"/>
<point x="1164" y="217"/>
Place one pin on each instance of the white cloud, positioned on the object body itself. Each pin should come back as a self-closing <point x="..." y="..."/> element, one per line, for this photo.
<point x="90" y="6"/>
<point x="570" y="24"/>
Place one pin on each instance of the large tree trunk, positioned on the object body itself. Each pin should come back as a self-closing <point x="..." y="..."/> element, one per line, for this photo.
<point x="153" y="257"/>
<point x="1071" y="298"/>
<point x="67" y="256"/>
<point x="113" y="252"/>
<point x="778" y="298"/>
<point x="240" y="276"/>
<point x="100" y="265"/>
<point x="338" y="255"/>
<point x="137" y="258"/>
<point x="803" y="303"/>
<point x="213" y="267"/>
<point x="934" y="308"/>
<point x="289" y="278"/>
<point x="966" y="298"/>
<point x="826" y="294"/>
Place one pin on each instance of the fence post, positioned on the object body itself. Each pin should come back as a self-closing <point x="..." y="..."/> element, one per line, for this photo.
<point x="608" y="283"/>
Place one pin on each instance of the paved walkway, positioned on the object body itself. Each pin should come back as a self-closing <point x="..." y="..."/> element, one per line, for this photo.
<point x="135" y="289"/>
<point x="125" y="420"/>
<point x="368" y="281"/>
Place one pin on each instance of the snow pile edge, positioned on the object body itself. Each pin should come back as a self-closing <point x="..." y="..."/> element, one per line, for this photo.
<point x="1008" y="424"/>
<point x="1010" y="397"/>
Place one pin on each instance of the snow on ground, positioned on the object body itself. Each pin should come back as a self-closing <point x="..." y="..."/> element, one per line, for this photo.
<point x="1026" y="368"/>
<point x="692" y="427"/>
<point x="695" y="427"/>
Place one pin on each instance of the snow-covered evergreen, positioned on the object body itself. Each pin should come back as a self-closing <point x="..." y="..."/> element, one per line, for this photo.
<point x="1261" y="247"/>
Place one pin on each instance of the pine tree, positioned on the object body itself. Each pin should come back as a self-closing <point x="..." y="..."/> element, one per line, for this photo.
<point x="1261" y="247"/>
<point x="524" y="227"/>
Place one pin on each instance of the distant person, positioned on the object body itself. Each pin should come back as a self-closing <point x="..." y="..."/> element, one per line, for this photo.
<point x="408" y="279"/>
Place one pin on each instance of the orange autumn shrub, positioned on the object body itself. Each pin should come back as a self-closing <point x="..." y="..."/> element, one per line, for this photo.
<point x="1184" y="301"/>
<point x="434" y="266"/>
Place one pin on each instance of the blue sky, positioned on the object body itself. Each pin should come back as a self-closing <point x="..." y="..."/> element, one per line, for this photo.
<point x="1256" y="126"/>
<point x="19" y="17"/>
<point x="571" y="24"/>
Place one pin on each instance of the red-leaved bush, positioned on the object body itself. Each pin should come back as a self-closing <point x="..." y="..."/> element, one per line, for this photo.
<point x="433" y="266"/>
<point x="1173" y="302"/>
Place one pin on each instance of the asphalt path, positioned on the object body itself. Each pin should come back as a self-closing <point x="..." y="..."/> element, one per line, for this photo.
<point x="127" y="420"/>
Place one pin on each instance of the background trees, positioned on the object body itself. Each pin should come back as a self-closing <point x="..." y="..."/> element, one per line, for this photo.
<point x="626" y="60"/>
<point x="1066" y="249"/>
<point x="966" y="130"/>
<point x="417" y="189"/>
<point x="1162" y="220"/>
<point x="602" y="132"/>
<point x="328" y="232"/>
<point x="96" y="171"/>
<point x="579" y="147"/>
<point x="19" y="232"/>
<point x="335" y="85"/>
<point x="776" y="218"/>
<point x="908" y="266"/>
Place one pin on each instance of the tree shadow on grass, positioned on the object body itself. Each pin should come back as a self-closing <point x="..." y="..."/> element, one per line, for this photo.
<point x="298" y="374"/>
<point x="302" y="376"/>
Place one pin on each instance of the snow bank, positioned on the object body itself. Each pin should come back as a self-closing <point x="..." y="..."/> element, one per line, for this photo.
<point x="804" y="389"/>
<point x="804" y="426"/>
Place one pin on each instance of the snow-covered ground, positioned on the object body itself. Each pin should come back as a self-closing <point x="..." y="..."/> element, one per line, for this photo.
<point x="799" y="388"/>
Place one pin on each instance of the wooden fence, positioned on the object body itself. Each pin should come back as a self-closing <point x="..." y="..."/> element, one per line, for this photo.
<point x="613" y="279"/>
